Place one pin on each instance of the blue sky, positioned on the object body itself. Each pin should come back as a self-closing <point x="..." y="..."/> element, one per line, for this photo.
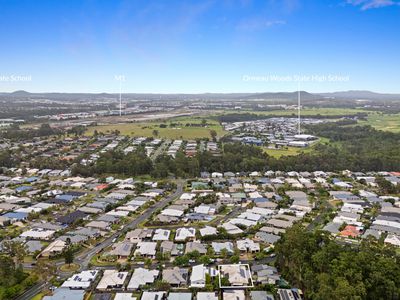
<point x="199" y="46"/>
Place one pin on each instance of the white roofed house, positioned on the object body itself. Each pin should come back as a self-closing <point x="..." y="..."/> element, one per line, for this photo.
<point x="183" y="234"/>
<point x="231" y="228"/>
<point x="353" y="208"/>
<point x="218" y="247"/>
<point x="234" y="295"/>
<point x="348" y="218"/>
<point x="138" y="235"/>
<point x="172" y="212"/>
<point x="208" y="230"/>
<point x="161" y="235"/>
<point x="393" y="239"/>
<point x="82" y="280"/>
<point x="38" y="234"/>
<point x="238" y="275"/>
<point x="198" y="276"/>
<point x="146" y="249"/>
<point x="248" y="245"/>
<point x="54" y="248"/>
<point x="153" y="295"/>
<point x="112" y="279"/>
<point x="141" y="277"/>
<point x="217" y="175"/>
<point x="207" y="296"/>
<point x="204" y="209"/>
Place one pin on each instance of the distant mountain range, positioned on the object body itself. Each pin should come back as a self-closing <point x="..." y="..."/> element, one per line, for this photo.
<point x="345" y="95"/>
<point x="368" y="95"/>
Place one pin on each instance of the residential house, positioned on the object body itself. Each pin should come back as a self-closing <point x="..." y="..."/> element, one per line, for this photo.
<point x="161" y="234"/>
<point x="138" y="235"/>
<point x="176" y="277"/>
<point x="261" y="295"/>
<point x="179" y="296"/>
<point x="171" y="248"/>
<point x="183" y="234"/>
<point x="218" y="247"/>
<point x="206" y="296"/>
<point x="196" y="246"/>
<point x="82" y="280"/>
<point x="141" y="277"/>
<point x="122" y="250"/>
<point x="153" y="295"/>
<point x="198" y="276"/>
<point x="112" y="279"/>
<point x="248" y="245"/>
<point x="146" y="249"/>
<point x="233" y="295"/>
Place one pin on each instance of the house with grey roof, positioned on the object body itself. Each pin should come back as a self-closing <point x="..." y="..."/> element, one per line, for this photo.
<point x="122" y="249"/>
<point x="261" y="295"/>
<point x="267" y="237"/>
<point x="196" y="246"/>
<point x="218" y="247"/>
<point x="176" y="277"/>
<point x="179" y="296"/>
<point x="171" y="248"/>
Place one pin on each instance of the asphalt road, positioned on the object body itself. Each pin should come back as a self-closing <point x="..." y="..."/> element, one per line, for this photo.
<point x="33" y="291"/>
<point x="83" y="258"/>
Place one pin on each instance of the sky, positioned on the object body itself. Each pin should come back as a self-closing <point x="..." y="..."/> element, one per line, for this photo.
<point x="199" y="46"/>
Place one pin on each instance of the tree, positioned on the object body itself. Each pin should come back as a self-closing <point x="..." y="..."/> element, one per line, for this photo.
<point x="205" y="259"/>
<point x="213" y="134"/>
<point x="181" y="260"/>
<point x="161" y="285"/>
<point x="148" y="262"/>
<point x="234" y="259"/>
<point x="225" y="281"/>
<point x="224" y="253"/>
<point x="324" y="269"/>
<point x="45" y="269"/>
<point x="155" y="132"/>
<point x="69" y="256"/>
<point x="15" y="249"/>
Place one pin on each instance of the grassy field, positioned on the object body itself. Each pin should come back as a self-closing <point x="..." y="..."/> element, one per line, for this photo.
<point x="290" y="151"/>
<point x="38" y="296"/>
<point x="383" y="122"/>
<point x="69" y="268"/>
<point x="178" y="130"/>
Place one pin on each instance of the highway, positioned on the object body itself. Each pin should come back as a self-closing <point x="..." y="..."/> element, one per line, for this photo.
<point x="83" y="258"/>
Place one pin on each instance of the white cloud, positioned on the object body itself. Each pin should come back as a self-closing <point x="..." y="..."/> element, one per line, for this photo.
<point x="259" y="24"/>
<point x="368" y="4"/>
